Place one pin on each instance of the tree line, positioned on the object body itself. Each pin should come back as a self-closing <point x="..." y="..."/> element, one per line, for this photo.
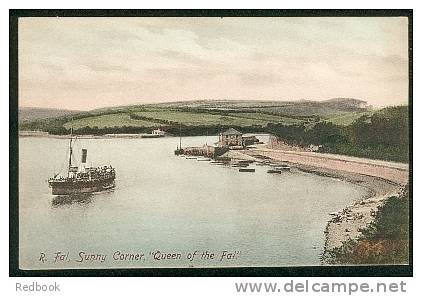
<point x="383" y="135"/>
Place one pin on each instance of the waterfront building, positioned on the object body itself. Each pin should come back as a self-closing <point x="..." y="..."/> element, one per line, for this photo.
<point x="230" y="138"/>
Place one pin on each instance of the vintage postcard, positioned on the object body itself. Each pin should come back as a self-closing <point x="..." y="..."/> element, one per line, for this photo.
<point x="213" y="142"/>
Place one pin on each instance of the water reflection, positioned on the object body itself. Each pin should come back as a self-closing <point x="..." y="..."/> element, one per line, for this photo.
<point x="66" y="200"/>
<point x="78" y="198"/>
<point x="165" y="202"/>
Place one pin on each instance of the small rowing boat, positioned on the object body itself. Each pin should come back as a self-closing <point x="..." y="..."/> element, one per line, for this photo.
<point x="247" y="170"/>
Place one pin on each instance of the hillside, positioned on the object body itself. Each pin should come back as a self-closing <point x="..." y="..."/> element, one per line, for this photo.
<point x="196" y="117"/>
<point x="292" y="108"/>
<point x="381" y="134"/>
<point x="340" y="126"/>
<point x="30" y="114"/>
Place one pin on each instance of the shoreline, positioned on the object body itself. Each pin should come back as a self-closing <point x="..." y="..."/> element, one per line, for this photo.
<point x="28" y="134"/>
<point x="381" y="179"/>
<point x="347" y="223"/>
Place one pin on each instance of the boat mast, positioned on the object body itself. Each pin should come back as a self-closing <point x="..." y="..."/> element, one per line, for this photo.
<point x="70" y="149"/>
<point x="180" y="136"/>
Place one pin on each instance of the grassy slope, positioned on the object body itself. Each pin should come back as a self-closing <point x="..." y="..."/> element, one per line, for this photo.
<point x="347" y="118"/>
<point x="268" y="117"/>
<point x="195" y="118"/>
<point x="210" y="113"/>
<point x="29" y="113"/>
<point x="109" y="120"/>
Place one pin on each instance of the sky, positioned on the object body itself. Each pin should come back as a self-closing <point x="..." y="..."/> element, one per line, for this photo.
<point x="88" y="63"/>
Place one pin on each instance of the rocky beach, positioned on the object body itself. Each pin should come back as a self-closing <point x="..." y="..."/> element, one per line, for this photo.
<point x="382" y="179"/>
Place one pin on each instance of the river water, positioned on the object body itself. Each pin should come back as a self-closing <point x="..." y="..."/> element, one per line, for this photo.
<point x="166" y="211"/>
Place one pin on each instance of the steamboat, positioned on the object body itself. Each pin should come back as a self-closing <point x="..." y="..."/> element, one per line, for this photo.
<point x="82" y="179"/>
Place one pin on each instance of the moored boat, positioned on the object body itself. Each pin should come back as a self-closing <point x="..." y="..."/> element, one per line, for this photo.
<point x="284" y="167"/>
<point x="82" y="179"/>
<point x="157" y="133"/>
<point x="246" y="161"/>
<point x="179" y="150"/>
<point x="247" y="170"/>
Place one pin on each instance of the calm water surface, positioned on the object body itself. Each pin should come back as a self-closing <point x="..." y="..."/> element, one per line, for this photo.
<point x="170" y="204"/>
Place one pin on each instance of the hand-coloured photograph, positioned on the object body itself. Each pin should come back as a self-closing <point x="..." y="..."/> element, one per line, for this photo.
<point x="213" y="142"/>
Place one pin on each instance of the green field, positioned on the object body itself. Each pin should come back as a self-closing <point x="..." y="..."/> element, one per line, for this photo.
<point x="109" y="120"/>
<point x="197" y="118"/>
<point x="267" y="118"/>
<point x="348" y="118"/>
<point x="154" y="117"/>
<point x="331" y="123"/>
<point x="200" y="116"/>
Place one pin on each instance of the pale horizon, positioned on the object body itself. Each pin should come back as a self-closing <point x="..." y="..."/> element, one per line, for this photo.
<point x="89" y="63"/>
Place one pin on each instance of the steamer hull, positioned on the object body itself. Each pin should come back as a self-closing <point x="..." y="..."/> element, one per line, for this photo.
<point x="82" y="179"/>
<point x="69" y="187"/>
